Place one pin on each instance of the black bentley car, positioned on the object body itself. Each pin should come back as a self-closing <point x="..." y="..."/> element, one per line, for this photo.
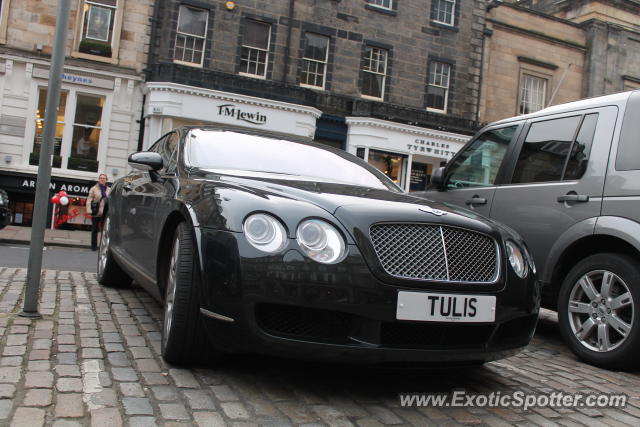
<point x="262" y="244"/>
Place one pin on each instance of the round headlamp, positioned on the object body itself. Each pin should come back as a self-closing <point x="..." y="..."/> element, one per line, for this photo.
<point x="516" y="259"/>
<point x="320" y="241"/>
<point x="265" y="232"/>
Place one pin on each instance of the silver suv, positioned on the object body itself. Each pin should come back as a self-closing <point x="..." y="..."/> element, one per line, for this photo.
<point x="567" y="178"/>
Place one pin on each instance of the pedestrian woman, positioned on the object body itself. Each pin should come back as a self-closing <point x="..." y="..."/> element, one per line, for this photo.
<point x="97" y="206"/>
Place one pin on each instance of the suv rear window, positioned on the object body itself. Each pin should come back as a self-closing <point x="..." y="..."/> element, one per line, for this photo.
<point x="628" y="157"/>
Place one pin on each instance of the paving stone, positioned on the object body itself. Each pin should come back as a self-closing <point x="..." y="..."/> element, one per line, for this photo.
<point x="38" y="397"/>
<point x="142" y="422"/>
<point x="42" y="344"/>
<point x="173" y="411"/>
<point x="235" y="410"/>
<point x="39" y="365"/>
<point x="154" y="378"/>
<point x="16" y="339"/>
<point x="118" y="359"/>
<point x="92" y="353"/>
<point x="111" y="347"/>
<point x="106" y="397"/>
<point x="40" y="354"/>
<point x="5" y="408"/>
<point x="66" y="423"/>
<point x="209" y="419"/>
<point x="137" y="406"/>
<point x="11" y="361"/>
<point x="183" y="378"/>
<point x="106" y="417"/>
<point x="135" y="341"/>
<point x="67" y="358"/>
<point x="69" y="405"/>
<point x="66" y="339"/>
<point x="69" y="385"/>
<point x="67" y="370"/>
<point x="89" y="342"/>
<point x="67" y="348"/>
<point x="39" y="380"/>
<point x="111" y="337"/>
<point x="124" y="374"/>
<point x="164" y="392"/>
<point x="198" y="399"/>
<point x="224" y="393"/>
<point x="18" y="350"/>
<point x="131" y="390"/>
<point x="7" y="391"/>
<point x="28" y="417"/>
<point x="10" y="375"/>
<point x="140" y="352"/>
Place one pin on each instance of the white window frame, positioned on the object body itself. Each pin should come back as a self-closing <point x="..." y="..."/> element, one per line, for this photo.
<point x="325" y="62"/>
<point x="370" y="60"/>
<point x="67" y="133"/>
<point x="437" y="12"/>
<point x="115" y="37"/>
<point x="251" y="48"/>
<point x="381" y="4"/>
<point x="527" y="79"/>
<point x="187" y="35"/>
<point x="432" y="79"/>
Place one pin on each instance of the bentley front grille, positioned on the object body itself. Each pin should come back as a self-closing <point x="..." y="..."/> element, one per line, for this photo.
<point x="434" y="252"/>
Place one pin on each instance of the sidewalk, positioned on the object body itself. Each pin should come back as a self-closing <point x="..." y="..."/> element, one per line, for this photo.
<point x="17" y="234"/>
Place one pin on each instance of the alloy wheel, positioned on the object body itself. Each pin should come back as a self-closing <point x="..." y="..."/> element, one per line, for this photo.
<point x="171" y="290"/>
<point x="601" y="311"/>
<point x="104" y="248"/>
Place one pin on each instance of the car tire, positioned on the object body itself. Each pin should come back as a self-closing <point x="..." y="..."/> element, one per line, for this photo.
<point x="597" y="311"/>
<point x="183" y="337"/>
<point x="108" y="271"/>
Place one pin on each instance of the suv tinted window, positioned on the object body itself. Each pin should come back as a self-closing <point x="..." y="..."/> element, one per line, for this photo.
<point x="628" y="157"/>
<point x="545" y="149"/>
<point x="577" y="162"/>
<point x="478" y="165"/>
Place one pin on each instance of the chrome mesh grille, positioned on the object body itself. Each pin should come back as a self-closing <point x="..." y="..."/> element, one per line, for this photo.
<point x="433" y="252"/>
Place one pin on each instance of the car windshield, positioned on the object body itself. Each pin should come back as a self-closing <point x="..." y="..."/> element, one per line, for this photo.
<point x="217" y="149"/>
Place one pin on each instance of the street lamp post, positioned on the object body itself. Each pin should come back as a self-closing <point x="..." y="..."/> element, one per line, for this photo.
<point x="30" y="308"/>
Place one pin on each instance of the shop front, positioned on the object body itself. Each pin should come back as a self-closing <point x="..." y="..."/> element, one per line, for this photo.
<point x="406" y="154"/>
<point x="170" y="105"/>
<point x="21" y="189"/>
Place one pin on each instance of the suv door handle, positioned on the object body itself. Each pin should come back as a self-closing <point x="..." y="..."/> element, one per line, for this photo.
<point x="476" y="201"/>
<point x="573" y="198"/>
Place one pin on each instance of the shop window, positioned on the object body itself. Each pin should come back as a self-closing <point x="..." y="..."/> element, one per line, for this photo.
<point x="532" y="93"/>
<point x="374" y="72"/>
<point x="438" y="86"/>
<point x="98" y="33"/>
<point x="78" y="148"/>
<point x="190" y="37"/>
<point x="255" y="49"/>
<point x="314" y="62"/>
<point x="72" y="216"/>
<point x="34" y="157"/>
<point x="391" y="164"/>
<point x="86" y="133"/>
<point x="443" y="12"/>
<point x="22" y="212"/>
<point x="4" y="18"/>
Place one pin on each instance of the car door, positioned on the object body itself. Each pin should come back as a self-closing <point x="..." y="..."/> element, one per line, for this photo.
<point x="557" y="177"/>
<point x="471" y="178"/>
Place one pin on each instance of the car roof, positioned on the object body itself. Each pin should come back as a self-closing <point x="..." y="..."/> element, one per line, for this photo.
<point x="583" y="104"/>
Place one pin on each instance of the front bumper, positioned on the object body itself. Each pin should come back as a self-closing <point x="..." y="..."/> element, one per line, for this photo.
<point x="288" y="305"/>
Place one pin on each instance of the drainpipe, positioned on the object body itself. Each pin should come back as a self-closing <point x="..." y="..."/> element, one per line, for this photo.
<point x="486" y="32"/>
<point x="287" y="48"/>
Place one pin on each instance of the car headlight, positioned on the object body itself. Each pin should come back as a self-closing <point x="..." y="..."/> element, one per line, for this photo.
<point x="529" y="258"/>
<point x="516" y="259"/>
<point x="264" y="232"/>
<point x="320" y="241"/>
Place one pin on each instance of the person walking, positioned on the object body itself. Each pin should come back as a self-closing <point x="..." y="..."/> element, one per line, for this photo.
<point x="97" y="206"/>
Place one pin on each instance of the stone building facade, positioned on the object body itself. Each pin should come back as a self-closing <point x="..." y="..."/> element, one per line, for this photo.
<point x="532" y="60"/>
<point x="612" y="30"/>
<point x="396" y="82"/>
<point x="101" y="98"/>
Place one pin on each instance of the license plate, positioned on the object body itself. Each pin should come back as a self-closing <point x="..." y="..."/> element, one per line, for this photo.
<point x="430" y="307"/>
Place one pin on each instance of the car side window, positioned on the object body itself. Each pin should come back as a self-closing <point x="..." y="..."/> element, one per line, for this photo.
<point x="479" y="164"/>
<point x="170" y="152"/>
<point x="556" y="150"/>
<point x="628" y="157"/>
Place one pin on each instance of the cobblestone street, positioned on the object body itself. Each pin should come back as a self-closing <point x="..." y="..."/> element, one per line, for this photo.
<point x="93" y="359"/>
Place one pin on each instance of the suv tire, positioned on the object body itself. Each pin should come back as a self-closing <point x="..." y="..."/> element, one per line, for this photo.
<point x="598" y="310"/>
<point x="108" y="271"/>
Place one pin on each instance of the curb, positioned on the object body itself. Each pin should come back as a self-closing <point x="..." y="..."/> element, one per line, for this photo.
<point x="59" y="244"/>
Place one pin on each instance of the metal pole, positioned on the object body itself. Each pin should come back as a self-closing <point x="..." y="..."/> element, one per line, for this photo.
<point x="30" y="308"/>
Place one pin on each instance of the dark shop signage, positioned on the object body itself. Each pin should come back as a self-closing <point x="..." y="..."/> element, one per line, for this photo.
<point x="253" y="117"/>
<point x="29" y="184"/>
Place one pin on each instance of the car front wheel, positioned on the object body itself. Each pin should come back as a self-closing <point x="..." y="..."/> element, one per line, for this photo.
<point x="597" y="310"/>
<point x="109" y="272"/>
<point x="183" y="338"/>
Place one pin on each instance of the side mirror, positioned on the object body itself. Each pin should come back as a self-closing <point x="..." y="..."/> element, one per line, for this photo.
<point x="145" y="160"/>
<point x="437" y="178"/>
